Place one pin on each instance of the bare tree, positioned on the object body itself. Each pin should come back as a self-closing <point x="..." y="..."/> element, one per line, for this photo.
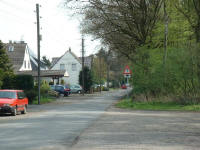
<point x="123" y="25"/>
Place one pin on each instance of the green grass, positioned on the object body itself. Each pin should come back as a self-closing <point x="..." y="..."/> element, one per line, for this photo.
<point x="44" y="100"/>
<point x="156" y="105"/>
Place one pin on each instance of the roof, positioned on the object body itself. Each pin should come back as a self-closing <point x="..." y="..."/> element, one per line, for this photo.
<point x="45" y="73"/>
<point x="34" y="63"/>
<point x="17" y="56"/>
<point x="56" y="59"/>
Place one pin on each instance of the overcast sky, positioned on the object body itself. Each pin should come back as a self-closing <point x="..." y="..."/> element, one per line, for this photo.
<point x="59" y="31"/>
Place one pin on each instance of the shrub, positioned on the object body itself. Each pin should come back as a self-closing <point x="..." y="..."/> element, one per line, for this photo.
<point x="24" y="82"/>
<point x="31" y="95"/>
<point x="44" y="88"/>
<point x="62" y="82"/>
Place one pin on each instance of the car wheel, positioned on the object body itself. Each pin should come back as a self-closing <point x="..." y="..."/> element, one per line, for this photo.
<point x="14" y="113"/>
<point x="79" y="92"/>
<point x="24" y="111"/>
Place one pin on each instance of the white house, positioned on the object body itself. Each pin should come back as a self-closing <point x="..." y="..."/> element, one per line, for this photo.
<point x="69" y="62"/>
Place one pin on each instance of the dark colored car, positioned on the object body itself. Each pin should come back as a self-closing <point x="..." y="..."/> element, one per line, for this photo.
<point x="61" y="89"/>
<point x="13" y="101"/>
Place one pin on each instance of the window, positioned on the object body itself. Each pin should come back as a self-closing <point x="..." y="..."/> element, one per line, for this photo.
<point x="24" y="63"/>
<point x="28" y="64"/>
<point x="62" y="66"/>
<point x="21" y="95"/>
<point x="73" y="67"/>
<point x="11" y="48"/>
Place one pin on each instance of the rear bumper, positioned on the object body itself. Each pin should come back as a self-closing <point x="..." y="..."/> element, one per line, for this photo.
<point x="6" y="109"/>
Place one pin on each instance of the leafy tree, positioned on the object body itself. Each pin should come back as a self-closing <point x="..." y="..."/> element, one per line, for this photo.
<point x="5" y="68"/>
<point x="4" y="60"/>
<point x="46" y="61"/>
<point x="191" y="11"/>
<point x="87" y="79"/>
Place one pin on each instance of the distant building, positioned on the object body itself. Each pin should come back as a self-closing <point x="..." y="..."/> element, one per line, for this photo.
<point x="24" y="61"/>
<point x="70" y="63"/>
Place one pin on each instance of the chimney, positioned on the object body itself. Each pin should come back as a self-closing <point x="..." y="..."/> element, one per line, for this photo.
<point x="70" y="49"/>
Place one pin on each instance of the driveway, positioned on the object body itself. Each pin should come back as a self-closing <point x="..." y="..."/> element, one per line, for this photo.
<point x="56" y="125"/>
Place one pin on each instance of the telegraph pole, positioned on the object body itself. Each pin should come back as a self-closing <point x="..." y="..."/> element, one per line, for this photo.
<point x="38" y="49"/>
<point x="83" y="51"/>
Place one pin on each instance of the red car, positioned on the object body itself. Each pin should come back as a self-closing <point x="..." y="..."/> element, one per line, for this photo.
<point x="124" y="86"/>
<point x="13" y="101"/>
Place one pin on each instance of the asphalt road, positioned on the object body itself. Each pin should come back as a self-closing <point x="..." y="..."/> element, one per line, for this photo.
<point x="54" y="126"/>
<point x="93" y="123"/>
<point x="121" y="129"/>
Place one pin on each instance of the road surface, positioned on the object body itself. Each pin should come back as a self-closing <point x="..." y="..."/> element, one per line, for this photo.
<point x="56" y="125"/>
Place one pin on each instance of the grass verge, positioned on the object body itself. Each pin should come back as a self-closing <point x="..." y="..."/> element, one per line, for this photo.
<point x="156" y="105"/>
<point x="44" y="100"/>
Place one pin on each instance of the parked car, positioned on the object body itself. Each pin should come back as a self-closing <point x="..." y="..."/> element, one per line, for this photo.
<point x="61" y="89"/>
<point x="76" y="89"/>
<point x="67" y="87"/>
<point x="13" y="101"/>
<point x="124" y="86"/>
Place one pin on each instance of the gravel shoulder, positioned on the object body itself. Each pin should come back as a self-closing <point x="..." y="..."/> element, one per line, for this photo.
<point x="142" y="130"/>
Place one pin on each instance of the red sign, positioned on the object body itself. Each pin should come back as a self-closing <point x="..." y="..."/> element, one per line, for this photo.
<point x="127" y="70"/>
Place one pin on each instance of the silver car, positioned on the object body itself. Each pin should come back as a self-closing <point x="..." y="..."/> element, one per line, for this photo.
<point x="76" y="89"/>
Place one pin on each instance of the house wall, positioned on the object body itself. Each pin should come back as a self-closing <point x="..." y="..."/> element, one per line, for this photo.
<point x="26" y="62"/>
<point x="68" y="60"/>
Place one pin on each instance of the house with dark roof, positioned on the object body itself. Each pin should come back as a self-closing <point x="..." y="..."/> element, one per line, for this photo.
<point x="70" y="63"/>
<point x="21" y="58"/>
<point x="24" y="61"/>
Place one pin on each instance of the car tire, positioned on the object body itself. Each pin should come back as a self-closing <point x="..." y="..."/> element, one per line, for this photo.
<point x="24" y="111"/>
<point x="66" y="95"/>
<point x="14" y="113"/>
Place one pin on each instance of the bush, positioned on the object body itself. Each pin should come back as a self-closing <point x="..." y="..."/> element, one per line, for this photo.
<point x="8" y="81"/>
<point x="44" y="88"/>
<point x="31" y="95"/>
<point x="24" y="82"/>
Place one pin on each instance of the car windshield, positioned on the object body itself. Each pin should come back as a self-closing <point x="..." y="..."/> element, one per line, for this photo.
<point x="7" y="94"/>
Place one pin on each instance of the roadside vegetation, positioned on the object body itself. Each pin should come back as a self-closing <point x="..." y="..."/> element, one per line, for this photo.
<point x="44" y="100"/>
<point x="158" y="105"/>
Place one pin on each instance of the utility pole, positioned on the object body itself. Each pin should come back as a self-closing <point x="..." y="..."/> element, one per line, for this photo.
<point x="108" y="68"/>
<point x="165" y="36"/>
<point x="83" y="51"/>
<point x="38" y="48"/>
<point x="100" y="70"/>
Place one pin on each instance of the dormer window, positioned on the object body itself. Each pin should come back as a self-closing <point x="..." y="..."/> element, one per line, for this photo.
<point x="11" y="48"/>
<point x="25" y="64"/>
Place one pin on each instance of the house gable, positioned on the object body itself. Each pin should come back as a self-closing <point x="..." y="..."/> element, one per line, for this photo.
<point x="71" y="63"/>
<point x="26" y="65"/>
